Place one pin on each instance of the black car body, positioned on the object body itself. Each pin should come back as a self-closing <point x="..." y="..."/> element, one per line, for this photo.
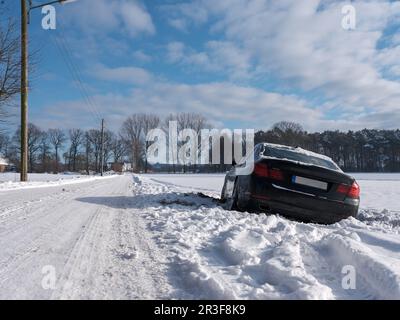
<point x="292" y="182"/>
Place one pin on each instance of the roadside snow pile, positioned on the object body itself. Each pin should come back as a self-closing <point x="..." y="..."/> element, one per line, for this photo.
<point x="384" y="219"/>
<point x="10" y="181"/>
<point x="219" y="254"/>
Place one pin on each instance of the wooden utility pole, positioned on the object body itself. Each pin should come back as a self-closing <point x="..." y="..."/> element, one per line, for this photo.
<point x="102" y="149"/>
<point x="25" y="10"/>
<point x="24" y="91"/>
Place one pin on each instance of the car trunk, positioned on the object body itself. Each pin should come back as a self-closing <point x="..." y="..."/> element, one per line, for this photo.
<point x="308" y="179"/>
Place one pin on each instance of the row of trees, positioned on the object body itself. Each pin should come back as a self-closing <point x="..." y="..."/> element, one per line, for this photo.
<point x="55" y="150"/>
<point x="76" y="150"/>
<point x="368" y="150"/>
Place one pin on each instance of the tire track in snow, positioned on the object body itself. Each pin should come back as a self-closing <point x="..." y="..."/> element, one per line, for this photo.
<point x="91" y="244"/>
<point x="40" y="240"/>
<point x="39" y="220"/>
<point x="80" y="261"/>
<point x="23" y="215"/>
<point x="114" y="258"/>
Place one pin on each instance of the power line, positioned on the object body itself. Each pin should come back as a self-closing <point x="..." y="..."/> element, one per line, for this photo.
<point x="63" y="48"/>
<point x="66" y="46"/>
<point x="76" y="79"/>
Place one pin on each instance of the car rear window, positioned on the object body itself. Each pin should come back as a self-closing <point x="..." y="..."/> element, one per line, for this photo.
<point x="292" y="155"/>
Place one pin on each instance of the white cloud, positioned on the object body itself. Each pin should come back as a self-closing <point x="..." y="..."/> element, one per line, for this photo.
<point x="175" y="51"/>
<point x="219" y="56"/>
<point x="183" y="15"/>
<point x="302" y="44"/>
<point x="141" y="56"/>
<point x="135" y="18"/>
<point x="97" y="30"/>
<point x="125" y="75"/>
<point x="180" y="24"/>
<point x="221" y="103"/>
<point x="100" y="17"/>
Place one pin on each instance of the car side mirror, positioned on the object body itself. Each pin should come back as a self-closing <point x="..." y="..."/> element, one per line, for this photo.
<point x="234" y="163"/>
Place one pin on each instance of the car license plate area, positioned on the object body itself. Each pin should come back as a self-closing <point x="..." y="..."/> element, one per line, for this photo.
<point x="310" y="183"/>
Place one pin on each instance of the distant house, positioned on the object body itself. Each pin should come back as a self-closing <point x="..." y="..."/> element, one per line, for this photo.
<point x="121" y="167"/>
<point x="3" y="164"/>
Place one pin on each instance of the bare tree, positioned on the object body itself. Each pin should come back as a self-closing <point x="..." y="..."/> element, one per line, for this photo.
<point x="45" y="151"/>
<point x="76" y="137"/>
<point x="57" y="139"/>
<point x="108" y="145"/>
<point x="192" y="121"/>
<point x="5" y="144"/>
<point x="34" y="142"/>
<point x="9" y="64"/>
<point x="94" y="136"/>
<point x="286" y="126"/>
<point x="290" y="133"/>
<point x="150" y="122"/>
<point x="197" y="122"/>
<point x="88" y="151"/>
<point x="172" y="148"/>
<point x="118" y="148"/>
<point x="131" y="132"/>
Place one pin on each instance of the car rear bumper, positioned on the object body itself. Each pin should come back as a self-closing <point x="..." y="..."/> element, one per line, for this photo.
<point x="302" y="206"/>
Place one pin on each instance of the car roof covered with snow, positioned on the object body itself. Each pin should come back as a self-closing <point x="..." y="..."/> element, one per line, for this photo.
<point x="298" y="155"/>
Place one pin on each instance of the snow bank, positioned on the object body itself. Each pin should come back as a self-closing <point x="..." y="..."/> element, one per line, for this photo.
<point x="228" y="255"/>
<point x="10" y="181"/>
<point x="378" y="272"/>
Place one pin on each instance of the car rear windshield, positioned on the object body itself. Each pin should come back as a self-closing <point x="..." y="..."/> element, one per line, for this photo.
<point x="282" y="153"/>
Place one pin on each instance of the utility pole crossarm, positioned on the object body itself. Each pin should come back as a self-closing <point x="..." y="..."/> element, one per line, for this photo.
<point x="32" y="7"/>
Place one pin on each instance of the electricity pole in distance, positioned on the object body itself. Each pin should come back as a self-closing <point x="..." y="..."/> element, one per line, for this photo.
<point x="25" y="10"/>
<point x="102" y="149"/>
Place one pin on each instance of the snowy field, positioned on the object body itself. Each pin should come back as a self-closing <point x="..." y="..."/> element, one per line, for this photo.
<point x="155" y="236"/>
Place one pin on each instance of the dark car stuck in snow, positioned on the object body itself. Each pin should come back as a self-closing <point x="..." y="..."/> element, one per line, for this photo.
<point x="293" y="182"/>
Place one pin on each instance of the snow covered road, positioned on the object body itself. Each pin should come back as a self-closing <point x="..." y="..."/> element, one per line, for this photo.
<point x="149" y="237"/>
<point x="97" y="250"/>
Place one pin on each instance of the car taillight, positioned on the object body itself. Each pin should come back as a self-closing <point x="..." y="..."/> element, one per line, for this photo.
<point x="262" y="170"/>
<point x="276" y="174"/>
<point x="352" y="191"/>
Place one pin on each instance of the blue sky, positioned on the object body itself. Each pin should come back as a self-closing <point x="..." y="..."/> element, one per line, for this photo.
<point x="243" y="64"/>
